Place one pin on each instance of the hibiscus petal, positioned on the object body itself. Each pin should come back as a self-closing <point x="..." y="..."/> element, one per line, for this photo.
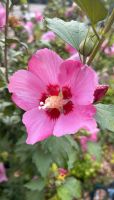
<point x="26" y="89"/>
<point x="81" y="79"/>
<point x="80" y="118"/>
<point x="69" y="71"/>
<point x="39" y="126"/>
<point x="24" y="103"/>
<point x="45" y="64"/>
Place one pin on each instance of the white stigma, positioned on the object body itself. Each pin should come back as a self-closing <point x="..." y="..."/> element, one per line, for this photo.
<point x="41" y="103"/>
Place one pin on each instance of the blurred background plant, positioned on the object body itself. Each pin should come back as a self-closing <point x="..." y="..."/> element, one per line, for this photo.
<point x="50" y="170"/>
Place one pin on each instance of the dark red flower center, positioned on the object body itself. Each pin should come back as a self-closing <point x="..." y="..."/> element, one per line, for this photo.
<point x="56" y="101"/>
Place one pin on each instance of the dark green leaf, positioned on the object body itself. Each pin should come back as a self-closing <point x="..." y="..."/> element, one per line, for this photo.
<point x="34" y="195"/>
<point x="2" y="79"/>
<point x="94" y="9"/>
<point x="95" y="150"/>
<point x="72" y="32"/>
<point x="62" y="150"/>
<point x="12" y="40"/>
<point x="42" y="161"/>
<point x="36" y="185"/>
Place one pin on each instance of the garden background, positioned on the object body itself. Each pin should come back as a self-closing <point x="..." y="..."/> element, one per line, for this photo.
<point x="59" y="168"/>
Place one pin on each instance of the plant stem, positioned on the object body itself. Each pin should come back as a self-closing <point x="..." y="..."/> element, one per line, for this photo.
<point x="6" y="47"/>
<point x="84" y="59"/>
<point x="98" y="45"/>
<point x="95" y="32"/>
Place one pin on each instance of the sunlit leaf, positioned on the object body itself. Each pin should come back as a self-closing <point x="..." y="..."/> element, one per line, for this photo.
<point x="72" y="32"/>
<point x="70" y="189"/>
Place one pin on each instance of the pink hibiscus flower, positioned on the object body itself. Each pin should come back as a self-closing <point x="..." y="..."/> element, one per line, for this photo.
<point x="38" y="16"/>
<point x="104" y="45"/>
<point x="84" y="140"/>
<point x="70" y="10"/>
<point x="49" y="36"/>
<point x="74" y="57"/>
<point x="3" y="176"/>
<point x="56" y="95"/>
<point x="71" y="50"/>
<point x="2" y="16"/>
<point x="109" y="50"/>
<point x="29" y="27"/>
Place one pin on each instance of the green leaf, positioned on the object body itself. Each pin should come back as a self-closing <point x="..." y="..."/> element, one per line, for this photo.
<point x="70" y="189"/>
<point x="24" y="45"/>
<point x="95" y="149"/>
<point x="36" y="185"/>
<point x="42" y="161"/>
<point x="12" y="40"/>
<point x="94" y="9"/>
<point x="2" y="79"/>
<point x="62" y="150"/>
<point x="56" y="148"/>
<point x="72" y="32"/>
<point x="105" y="116"/>
<point x="31" y="195"/>
<point x="55" y="198"/>
<point x="5" y="1"/>
<point x="23" y="1"/>
<point x="15" y="40"/>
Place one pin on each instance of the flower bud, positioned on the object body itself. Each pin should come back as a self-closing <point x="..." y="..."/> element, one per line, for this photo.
<point x="86" y="47"/>
<point x="63" y="171"/>
<point x="100" y="92"/>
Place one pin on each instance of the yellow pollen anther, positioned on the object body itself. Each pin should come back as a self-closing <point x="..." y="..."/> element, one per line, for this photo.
<point x="53" y="102"/>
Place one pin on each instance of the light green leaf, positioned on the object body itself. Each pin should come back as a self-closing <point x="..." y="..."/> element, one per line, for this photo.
<point x="42" y="161"/>
<point x="72" y="32"/>
<point x="105" y="116"/>
<point x="94" y="9"/>
<point x="70" y="189"/>
<point x="35" y="185"/>
<point x="95" y="149"/>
